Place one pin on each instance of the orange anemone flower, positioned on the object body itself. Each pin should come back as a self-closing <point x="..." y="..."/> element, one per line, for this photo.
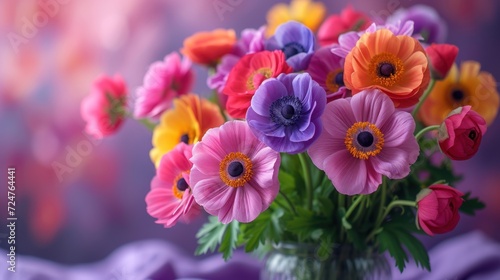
<point x="394" y="64"/>
<point x="309" y="13"/>
<point x="186" y="122"/>
<point x="209" y="47"/>
<point x="469" y="86"/>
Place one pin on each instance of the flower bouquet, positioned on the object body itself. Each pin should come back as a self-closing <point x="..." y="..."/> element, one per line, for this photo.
<point x="328" y="143"/>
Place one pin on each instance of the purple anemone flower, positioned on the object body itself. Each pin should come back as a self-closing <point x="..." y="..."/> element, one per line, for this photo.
<point x="296" y="41"/>
<point x="285" y="112"/>
<point x="427" y="22"/>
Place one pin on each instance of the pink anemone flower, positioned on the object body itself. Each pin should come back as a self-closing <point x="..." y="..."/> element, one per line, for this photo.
<point x="170" y="198"/>
<point x="164" y="81"/>
<point x="364" y="137"/>
<point x="234" y="175"/>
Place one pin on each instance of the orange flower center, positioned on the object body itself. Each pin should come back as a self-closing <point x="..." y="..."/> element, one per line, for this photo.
<point x="258" y="76"/>
<point x="179" y="185"/>
<point x="236" y="169"/>
<point x="364" y="140"/>
<point x="386" y="69"/>
<point x="335" y="80"/>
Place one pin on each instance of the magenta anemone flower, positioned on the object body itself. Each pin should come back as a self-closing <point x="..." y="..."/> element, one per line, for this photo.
<point x="164" y="81"/>
<point x="327" y="69"/>
<point x="285" y="113"/>
<point x="170" y="198"/>
<point x="234" y="175"/>
<point x="363" y="138"/>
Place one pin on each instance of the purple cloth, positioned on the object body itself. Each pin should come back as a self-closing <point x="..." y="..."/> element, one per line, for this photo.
<point x="149" y="259"/>
<point x="470" y="256"/>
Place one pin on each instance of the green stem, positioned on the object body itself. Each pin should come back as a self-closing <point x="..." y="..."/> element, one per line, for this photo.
<point x="425" y="130"/>
<point x="399" y="203"/>
<point x="289" y="202"/>
<point x="380" y="217"/>
<point x="147" y="123"/>
<point x="424" y="96"/>
<point x="376" y="228"/>
<point x="307" y="179"/>
<point x="351" y="209"/>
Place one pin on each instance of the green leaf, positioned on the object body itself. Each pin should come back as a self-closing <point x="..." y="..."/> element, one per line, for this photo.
<point x="471" y="205"/>
<point x="388" y="241"/>
<point x="267" y="225"/>
<point x="230" y="240"/>
<point x="325" y="248"/>
<point x="416" y="249"/>
<point x="306" y="223"/>
<point x="210" y="235"/>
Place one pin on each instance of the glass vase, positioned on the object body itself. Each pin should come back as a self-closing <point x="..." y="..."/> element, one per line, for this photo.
<point x="301" y="262"/>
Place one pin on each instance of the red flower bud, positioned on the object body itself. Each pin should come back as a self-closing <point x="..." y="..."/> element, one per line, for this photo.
<point x="461" y="132"/>
<point x="442" y="57"/>
<point x="438" y="209"/>
<point x="335" y="25"/>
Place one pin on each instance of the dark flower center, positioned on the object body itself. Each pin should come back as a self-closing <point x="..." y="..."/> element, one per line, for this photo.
<point x="339" y="79"/>
<point x="235" y="169"/>
<point x="365" y="139"/>
<point x="185" y="138"/>
<point x="286" y="110"/>
<point x="386" y="69"/>
<point x="457" y="95"/>
<point x="472" y="134"/>
<point x="292" y="49"/>
<point x="182" y="185"/>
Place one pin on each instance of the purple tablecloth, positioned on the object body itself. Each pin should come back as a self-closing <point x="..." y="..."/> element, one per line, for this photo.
<point x="471" y="256"/>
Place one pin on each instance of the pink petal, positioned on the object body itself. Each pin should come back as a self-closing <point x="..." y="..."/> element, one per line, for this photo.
<point x="338" y="117"/>
<point x="348" y="174"/>
<point x="247" y="204"/>
<point x="398" y="130"/>
<point x="372" y="106"/>
<point x="211" y="193"/>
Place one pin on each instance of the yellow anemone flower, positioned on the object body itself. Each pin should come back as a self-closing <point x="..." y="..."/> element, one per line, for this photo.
<point x="309" y="13"/>
<point x="186" y="122"/>
<point x="468" y="86"/>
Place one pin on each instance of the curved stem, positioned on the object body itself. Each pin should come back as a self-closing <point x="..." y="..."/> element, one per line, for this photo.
<point x="425" y="130"/>
<point x="399" y="203"/>
<point x="376" y="228"/>
<point x="307" y="179"/>
<point x="147" y="123"/>
<point x="352" y="207"/>
<point x="424" y="96"/>
<point x="289" y="202"/>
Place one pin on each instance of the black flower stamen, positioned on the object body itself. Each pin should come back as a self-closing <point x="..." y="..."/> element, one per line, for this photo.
<point x="235" y="169"/>
<point x="286" y="110"/>
<point x="386" y="70"/>
<point x="365" y="139"/>
<point x="182" y="185"/>
<point x="292" y="49"/>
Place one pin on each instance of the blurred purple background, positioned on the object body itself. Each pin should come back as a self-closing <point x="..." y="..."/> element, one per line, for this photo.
<point x="99" y="205"/>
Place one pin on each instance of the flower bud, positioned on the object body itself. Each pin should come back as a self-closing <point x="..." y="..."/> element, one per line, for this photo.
<point x="461" y="132"/>
<point x="441" y="57"/>
<point x="438" y="209"/>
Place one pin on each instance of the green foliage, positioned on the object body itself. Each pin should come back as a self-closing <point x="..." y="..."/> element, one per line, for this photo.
<point x="265" y="227"/>
<point x="214" y="233"/>
<point x="471" y="205"/>
<point x="396" y="234"/>
<point x="210" y="235"/>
